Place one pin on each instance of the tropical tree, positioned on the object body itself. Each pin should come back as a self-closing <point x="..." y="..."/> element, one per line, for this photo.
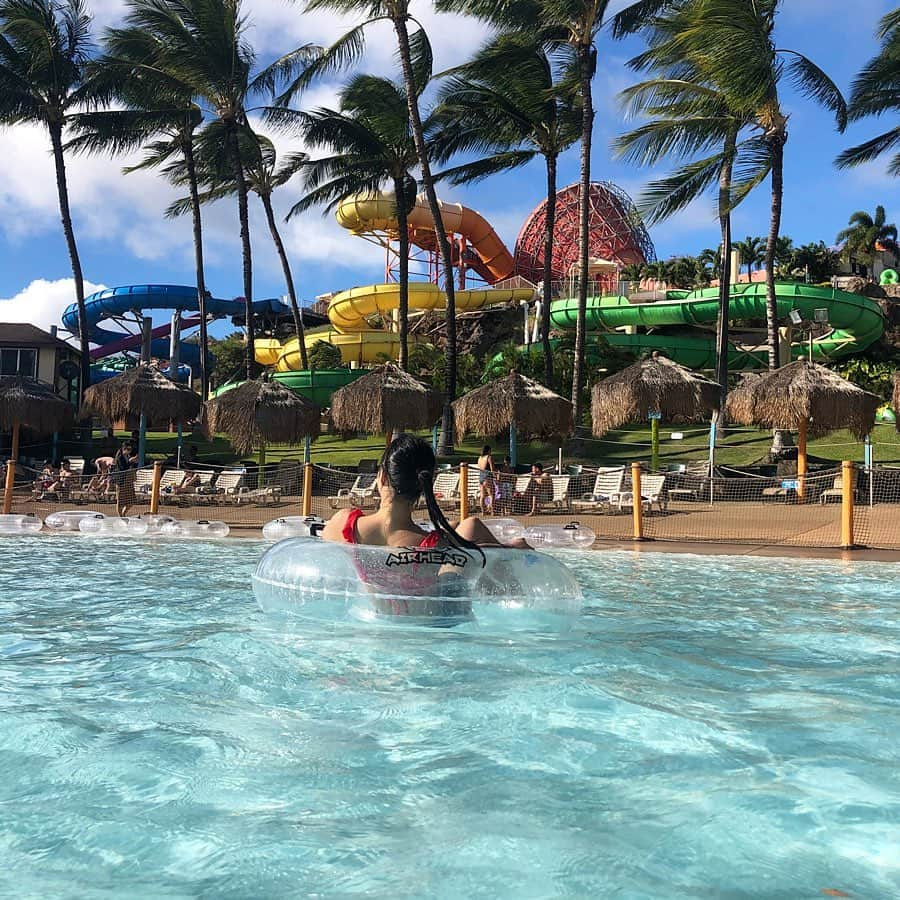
<point x="45" y="47"/>
<point x="814" y="262"/>
<point x="864" y="234"/>
<point x="731" y="44"/>
<point x="513" y="102"/>
<point x="154" y="113"/>
<point x="753" y="252"/>
<point x="633" y="272"/>
<point x="369" y="144"/>
<point x="263" y="174"/>
<point x="692" y="121"/>
<point x="876" y="91"/>
<point x="414" y="51"/>
<point x="200" y="48"/>
<point x="712" y="259"/>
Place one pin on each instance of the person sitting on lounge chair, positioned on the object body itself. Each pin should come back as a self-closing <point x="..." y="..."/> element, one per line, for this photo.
<point x="100" y="482"/>
<point x="62" y="483"/>
<point x="540" y="488"/>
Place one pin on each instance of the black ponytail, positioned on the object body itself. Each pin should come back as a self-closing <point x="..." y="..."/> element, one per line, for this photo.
<point x="408" y="464"/>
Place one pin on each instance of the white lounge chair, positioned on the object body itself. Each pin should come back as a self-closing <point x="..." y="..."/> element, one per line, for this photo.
<point x="362" y="494"/>
<point x="446" y="489"/>
<point x="653" y="491"/>
<point x="607" y="484"/>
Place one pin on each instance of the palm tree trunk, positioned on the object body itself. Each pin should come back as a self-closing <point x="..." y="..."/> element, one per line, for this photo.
<point x="288" y="276"/>
<point x="586" y="62"/>
<point x="446" y="443"/>
<point x="62" y="190"/>
<point x="188" y="150"/>
<point x="403" y="240"/>
<point x="549" y="224"/>
<point x="776" y="145"/>
<point x="246" y="251"/>
<point x="725" y="172"/>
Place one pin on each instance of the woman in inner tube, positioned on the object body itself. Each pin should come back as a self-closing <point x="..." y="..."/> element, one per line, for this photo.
<point x="406" y="473"/>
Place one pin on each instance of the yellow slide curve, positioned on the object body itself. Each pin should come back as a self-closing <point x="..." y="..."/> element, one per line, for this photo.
<point x="350" y="311"/>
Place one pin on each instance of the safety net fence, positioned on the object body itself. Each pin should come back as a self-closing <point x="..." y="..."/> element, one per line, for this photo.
<point x="693" y="503"/>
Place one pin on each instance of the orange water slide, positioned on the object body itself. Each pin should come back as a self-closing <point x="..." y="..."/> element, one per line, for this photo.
<point x="366" y="213"/>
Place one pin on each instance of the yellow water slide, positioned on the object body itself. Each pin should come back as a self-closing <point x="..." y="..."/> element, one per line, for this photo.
<point x="351" y="311"/>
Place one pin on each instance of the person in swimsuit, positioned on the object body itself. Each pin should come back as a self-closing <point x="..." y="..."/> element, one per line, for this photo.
<point x="486" y="480"/>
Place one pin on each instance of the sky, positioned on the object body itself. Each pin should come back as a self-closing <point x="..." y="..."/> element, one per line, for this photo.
<point x="124" y="238"/>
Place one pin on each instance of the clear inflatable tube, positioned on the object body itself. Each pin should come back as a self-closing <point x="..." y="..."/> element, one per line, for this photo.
<point x="505" y="530"/>
<point x="571" y="536"/>
<point x="438" y="587"/>
<point x="68" y="519"/>
<point x="17" y="524"/>
<point x="154" y="521"/>
<point x="182" y="528"/>
<point x="292" y="526"/>
<point x="112" y="526"/>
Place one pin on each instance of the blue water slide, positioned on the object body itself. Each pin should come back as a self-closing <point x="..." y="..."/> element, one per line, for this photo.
<point x="137" y="298"/>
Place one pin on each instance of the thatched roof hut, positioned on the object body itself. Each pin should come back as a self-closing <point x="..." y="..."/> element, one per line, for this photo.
<point x="896" y="400"/>
<point x="32" y="404"/>
<point x="804" y="392"/>
<point x="142" y="390"/>
<point x="257" y="413"/>
<point x="514" y="401"/>
<point x="652" y="385"/>
<point x="385" y="400"/>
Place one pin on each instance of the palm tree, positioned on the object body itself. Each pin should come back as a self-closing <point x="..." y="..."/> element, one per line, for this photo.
<point x="864" y="234"/>
<point x="730" y="43"/>
<point x="687" y="118"/>
<point x="44" y="50"/>
<point x="414" y="51"/>
<point x="876" y="91"/>
<point x="513" y="102"/>
<point x="753" y="252"/>
<point x="201" y="49"/>
<point x="157" y="116"/>
<point x="370" y="144"/>
<point x="263" y="175"/>
<point x="632" y="273"/>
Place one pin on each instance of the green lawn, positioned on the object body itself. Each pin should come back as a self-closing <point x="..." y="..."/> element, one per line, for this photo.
<point x="738" y="447"/>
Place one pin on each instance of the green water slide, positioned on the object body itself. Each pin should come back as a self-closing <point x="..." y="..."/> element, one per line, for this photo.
<point x="855" y="322"/>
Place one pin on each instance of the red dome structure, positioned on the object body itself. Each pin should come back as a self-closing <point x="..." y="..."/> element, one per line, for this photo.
<point x="616" y="234"/>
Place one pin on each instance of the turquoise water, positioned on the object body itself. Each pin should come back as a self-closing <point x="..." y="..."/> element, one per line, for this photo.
<point x="715" y="727"/>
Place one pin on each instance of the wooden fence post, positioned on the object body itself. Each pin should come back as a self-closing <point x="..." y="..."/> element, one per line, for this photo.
<point x="307" y="488"/>
<point x="154" y="488"/>
<point x="637" y="507"/>
<point x="847" y="473"/>
<point x="463" y="491"/>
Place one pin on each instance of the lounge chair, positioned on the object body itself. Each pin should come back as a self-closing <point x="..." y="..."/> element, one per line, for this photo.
<point x="607" y="484"/>
<point x="362" y="494"/>
<point x="836" y="491"/>
<point x="653" y="491"/>
<point x="229" y="487"/>
<point x="446" y="489"/>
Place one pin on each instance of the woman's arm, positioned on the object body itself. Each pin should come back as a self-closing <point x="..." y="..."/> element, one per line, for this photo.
<point x="334" y="527"/>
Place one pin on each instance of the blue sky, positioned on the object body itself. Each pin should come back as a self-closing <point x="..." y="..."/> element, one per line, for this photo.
<point x="124" y="239"/>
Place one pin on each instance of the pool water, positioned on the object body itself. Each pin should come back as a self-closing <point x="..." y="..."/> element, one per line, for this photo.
<point x="714" y="727"/>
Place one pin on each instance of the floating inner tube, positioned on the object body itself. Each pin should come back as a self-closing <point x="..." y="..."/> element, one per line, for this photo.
<point x="112" y="526"/>
<point x="889" y="276"/>
<point x="505" y="530"/>
<point x="153" y="521"/>
<point x="292" y="526"/>
<point x="68" y="519"/>
<point x="417" y="586"/>
<point x="568" y="536"/>
<point x="182" y="528"/>
<point x="14" y="524"/>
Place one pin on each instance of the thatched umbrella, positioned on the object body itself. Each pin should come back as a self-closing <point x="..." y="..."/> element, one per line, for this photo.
<point x="143" y="391"/>
<point x="807" y="398"/>
<point x="654" y="389"/>
<point x="525" y="407"/>
<point x="257" y="413"/>
<point x="385" y="400"/>
<point x="34" y="404"/>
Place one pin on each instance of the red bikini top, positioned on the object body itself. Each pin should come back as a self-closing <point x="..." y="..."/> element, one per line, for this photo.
<point x="349" y="531"/>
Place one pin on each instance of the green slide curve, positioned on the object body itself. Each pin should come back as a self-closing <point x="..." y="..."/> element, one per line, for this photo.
<point x="855" y="321"/>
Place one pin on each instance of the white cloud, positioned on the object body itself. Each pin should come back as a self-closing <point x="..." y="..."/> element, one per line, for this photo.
<point x="42" y="302"/>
